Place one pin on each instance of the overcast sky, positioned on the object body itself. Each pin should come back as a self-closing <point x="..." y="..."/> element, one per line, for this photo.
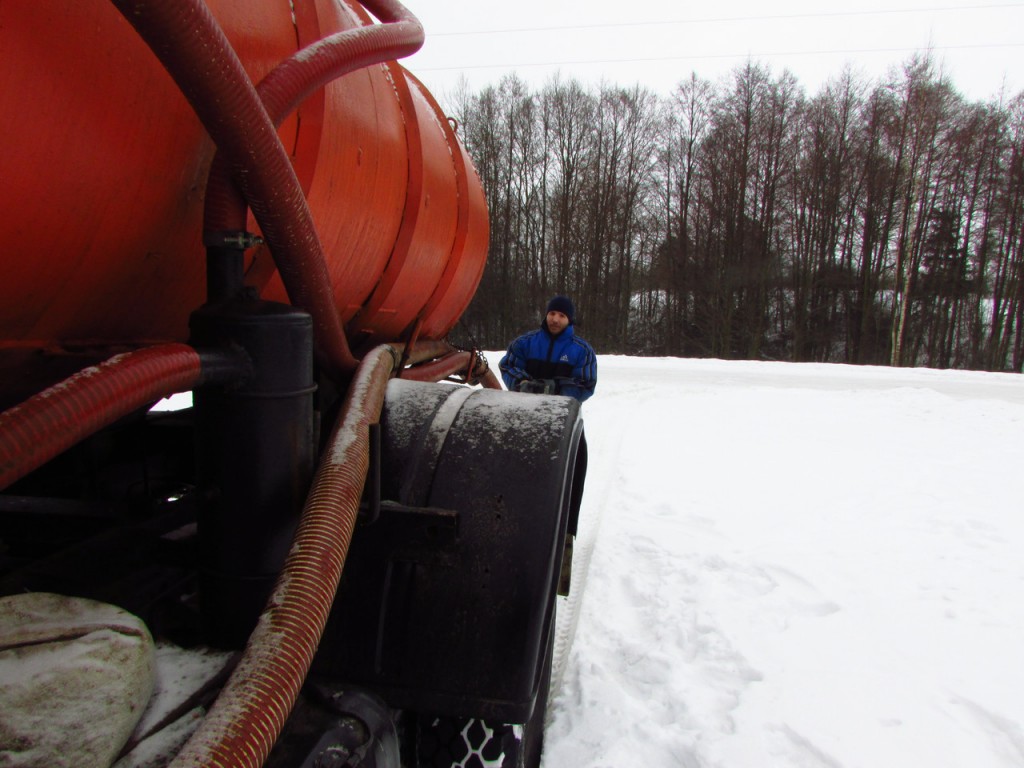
<point x="659" y="42"/>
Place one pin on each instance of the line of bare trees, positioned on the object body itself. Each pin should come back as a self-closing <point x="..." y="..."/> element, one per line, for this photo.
<point x="870" y="223"/>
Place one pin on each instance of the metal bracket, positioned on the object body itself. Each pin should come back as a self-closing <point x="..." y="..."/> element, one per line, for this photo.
<point x="238" y="239"/>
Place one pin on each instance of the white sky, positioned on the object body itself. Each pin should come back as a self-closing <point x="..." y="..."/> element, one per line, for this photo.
<point x="659" y="42"/>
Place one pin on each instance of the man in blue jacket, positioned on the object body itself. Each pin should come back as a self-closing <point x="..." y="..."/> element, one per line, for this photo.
<point x="554" y="360"/>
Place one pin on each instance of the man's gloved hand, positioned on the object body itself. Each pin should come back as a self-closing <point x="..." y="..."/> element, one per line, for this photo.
<point x="537" y="386"/>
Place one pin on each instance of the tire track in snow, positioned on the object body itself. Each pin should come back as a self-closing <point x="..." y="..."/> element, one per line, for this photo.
<point x="600" y="475"/>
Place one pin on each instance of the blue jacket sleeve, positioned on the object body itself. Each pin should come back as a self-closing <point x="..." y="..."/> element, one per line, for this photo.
<point x="512" y="364"/>
<point x="584" y="373"/>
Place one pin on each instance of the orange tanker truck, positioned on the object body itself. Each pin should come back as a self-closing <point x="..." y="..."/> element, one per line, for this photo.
<point x="252" y="202"/>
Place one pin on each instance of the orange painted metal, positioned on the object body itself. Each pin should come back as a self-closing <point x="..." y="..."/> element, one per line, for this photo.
<point x="104" y="169"/>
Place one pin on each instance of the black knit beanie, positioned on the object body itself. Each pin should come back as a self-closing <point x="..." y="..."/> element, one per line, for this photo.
<point x="564" y="305"/>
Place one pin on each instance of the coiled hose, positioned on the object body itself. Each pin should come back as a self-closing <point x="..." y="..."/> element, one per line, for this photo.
<point x="300" y="75"/>
<point x="189" y="42"/>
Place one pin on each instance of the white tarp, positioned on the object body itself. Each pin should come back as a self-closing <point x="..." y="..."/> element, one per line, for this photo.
<point x="75" y="676"/>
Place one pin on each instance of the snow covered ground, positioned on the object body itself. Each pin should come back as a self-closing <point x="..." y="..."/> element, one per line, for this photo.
<point x="795" y="565"/>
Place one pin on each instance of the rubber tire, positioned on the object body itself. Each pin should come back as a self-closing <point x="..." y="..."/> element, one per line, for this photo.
<point x="532" y="744"/>
<point x="446" y="742"/>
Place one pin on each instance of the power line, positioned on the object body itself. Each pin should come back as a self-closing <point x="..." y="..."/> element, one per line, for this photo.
<point x="698" y="57"/>
<point x="721" y="19"/>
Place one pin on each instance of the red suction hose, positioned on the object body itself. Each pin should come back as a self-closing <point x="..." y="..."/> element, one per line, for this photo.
<point x="300" y="75"/>
<point x="250" y="712"/>
<point x="469" y="364"/>
<point x="50" y="422"/>
<point x="192" y="47"/>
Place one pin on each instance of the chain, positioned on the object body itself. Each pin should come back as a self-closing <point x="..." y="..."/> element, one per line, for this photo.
<point x="474" y="348"/>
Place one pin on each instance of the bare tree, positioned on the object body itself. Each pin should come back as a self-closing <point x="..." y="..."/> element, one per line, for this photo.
<point x="869" y="223"/>
<point x="686" y="126"/>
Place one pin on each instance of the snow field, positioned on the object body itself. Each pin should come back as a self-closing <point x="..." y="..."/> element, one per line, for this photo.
<point x="795" y="565"/>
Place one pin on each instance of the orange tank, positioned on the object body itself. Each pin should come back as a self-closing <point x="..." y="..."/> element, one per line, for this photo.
<point x="104" y="172"/>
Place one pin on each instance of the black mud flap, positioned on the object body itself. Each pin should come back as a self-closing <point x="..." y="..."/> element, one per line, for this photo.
<point x="447" y="600"/>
